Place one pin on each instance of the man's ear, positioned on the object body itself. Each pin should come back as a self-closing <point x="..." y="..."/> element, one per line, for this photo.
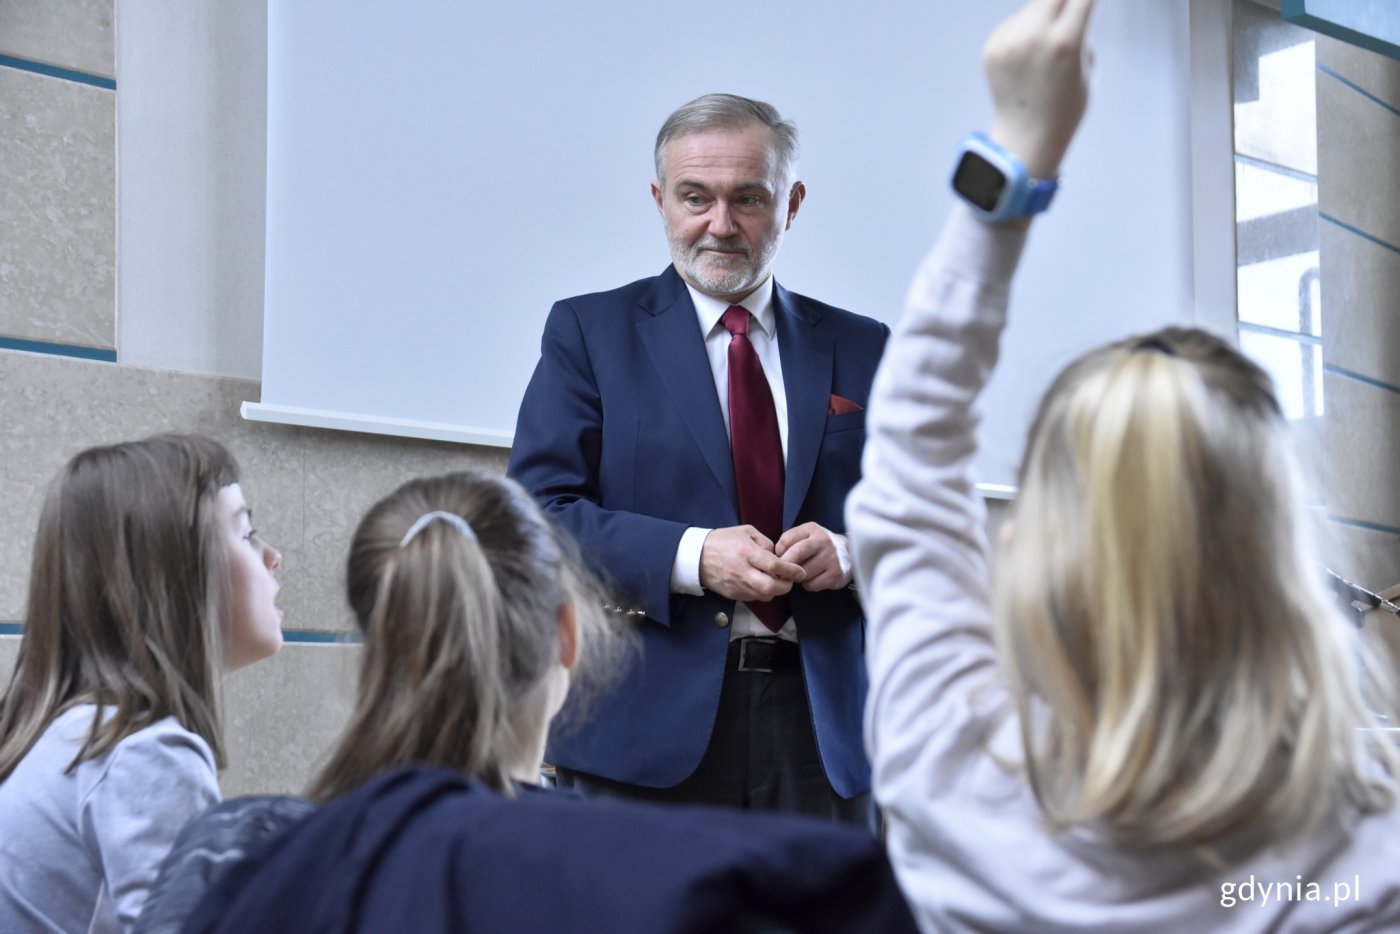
<point x="568" y="635"/>
<point x="799" y="192"/>
<point x="656" y="194"/>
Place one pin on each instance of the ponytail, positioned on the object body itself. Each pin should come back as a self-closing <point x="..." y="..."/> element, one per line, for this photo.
<point x="1179" y="671"/>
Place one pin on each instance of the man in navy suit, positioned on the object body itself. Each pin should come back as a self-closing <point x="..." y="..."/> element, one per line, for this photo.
<point x="729" y="558"/>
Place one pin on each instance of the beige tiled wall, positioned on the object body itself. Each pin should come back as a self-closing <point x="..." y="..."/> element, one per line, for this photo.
<point x="1356" y="181"/>
<point x="1364" y="449"/>
<point x="57" y="209"/>
<point x="1363" y="335"/>
<point x="283" y="715"/>
<point x="74" y="34"/>
<point x="1358" y="146"/>
<point x="1376" y="73"/>
<point x="306" y="486"/>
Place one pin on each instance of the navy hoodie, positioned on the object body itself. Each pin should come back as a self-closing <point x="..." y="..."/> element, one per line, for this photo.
<point x="424" y="849"/>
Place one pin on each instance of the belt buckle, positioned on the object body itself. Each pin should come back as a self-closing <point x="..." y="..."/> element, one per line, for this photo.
<point x="744" y="654"/>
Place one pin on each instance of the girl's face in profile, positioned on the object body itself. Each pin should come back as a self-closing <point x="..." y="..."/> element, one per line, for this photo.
<point x="255" y="622"/>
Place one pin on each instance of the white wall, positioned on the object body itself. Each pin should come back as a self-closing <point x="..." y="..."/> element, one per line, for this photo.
<point x="191" y="192"/>
<point x="881" y="91"/>
<point x="439" y="174"/>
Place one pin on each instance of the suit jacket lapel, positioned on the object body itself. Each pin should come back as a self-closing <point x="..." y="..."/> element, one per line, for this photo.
<point x="806" y="351"/>
<point x="671" y="334"/>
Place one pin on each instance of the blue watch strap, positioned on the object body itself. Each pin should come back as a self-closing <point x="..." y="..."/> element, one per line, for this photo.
<point x="1021" y="195"/>
<point x="1039" y="192"/>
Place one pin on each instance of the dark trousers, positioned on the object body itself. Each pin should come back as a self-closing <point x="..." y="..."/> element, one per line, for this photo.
<point x="762" y="753"/>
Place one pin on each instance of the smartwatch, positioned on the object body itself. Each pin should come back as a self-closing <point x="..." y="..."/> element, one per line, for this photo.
<point x="995" y="183"/>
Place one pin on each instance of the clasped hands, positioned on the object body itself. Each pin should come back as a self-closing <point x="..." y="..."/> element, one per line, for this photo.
<point x="741" y="563"/>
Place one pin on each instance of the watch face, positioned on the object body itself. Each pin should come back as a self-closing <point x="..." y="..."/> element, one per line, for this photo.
<point x="978" y="181"/>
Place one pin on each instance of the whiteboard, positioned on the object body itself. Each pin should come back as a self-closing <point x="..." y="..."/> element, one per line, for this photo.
<point x="439" y="173"/>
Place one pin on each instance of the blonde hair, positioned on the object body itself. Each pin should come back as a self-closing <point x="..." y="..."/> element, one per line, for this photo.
<point x="1180" y="671"/>
<point x="461" y="629"/>
<point x="127" y="597"/>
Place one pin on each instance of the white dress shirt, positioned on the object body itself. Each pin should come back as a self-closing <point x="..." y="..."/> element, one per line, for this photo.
<point x="685" y="571"/>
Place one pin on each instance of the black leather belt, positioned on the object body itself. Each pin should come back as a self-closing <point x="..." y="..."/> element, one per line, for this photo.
<point x="759" y="654"/>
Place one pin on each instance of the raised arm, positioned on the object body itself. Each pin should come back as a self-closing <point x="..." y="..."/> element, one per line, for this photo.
<point x="1037" y="64"/>
<point x="915" y="521"/>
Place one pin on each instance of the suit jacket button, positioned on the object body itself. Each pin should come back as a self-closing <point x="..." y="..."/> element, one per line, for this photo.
<point x="721" y="619"/>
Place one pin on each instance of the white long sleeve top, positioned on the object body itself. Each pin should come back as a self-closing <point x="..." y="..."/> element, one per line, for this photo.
<point x="966" y="836"/>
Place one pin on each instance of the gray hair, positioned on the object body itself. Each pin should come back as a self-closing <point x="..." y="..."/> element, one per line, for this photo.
<point x="731" y="112"/>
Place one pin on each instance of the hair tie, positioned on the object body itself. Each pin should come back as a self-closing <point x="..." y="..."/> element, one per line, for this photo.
<point x="451" y="518"/>
<point x="1157" y="344"/>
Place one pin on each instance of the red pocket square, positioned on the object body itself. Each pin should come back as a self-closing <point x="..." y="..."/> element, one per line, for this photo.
<point x="840" y="405"/>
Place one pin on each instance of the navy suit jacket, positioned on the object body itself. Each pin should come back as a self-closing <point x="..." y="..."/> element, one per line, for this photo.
<point x="621" y="438"/>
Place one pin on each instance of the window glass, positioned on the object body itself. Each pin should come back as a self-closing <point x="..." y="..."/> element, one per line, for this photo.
<point x="1296" y="368"/>
<point x="1278" y="288"/>
<point x="1275" y="89"/>
<point x="1277" y="253"/>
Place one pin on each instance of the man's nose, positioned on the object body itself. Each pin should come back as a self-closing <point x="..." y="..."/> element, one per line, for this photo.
<point x="722" y="221"/>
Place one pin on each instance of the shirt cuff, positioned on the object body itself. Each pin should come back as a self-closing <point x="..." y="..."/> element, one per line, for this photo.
<point x="685" y="570"/>
<point x="843" y="557"/>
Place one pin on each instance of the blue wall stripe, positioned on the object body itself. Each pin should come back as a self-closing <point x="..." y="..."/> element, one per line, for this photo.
<point x="1370" y="25"/>
<point x="1358" y="231"/>
<point x="1253" y="328"/>
<point x="1275" y="168"/>
<point x="53" y="71"/>
<point x="297" y="636"/>
<point x="1358" y="89"/>
<point x="59" y="350"/>
<point x="320" y="637"/>
<point x="1363" y="524"/>
<point x="1357" y="377"/>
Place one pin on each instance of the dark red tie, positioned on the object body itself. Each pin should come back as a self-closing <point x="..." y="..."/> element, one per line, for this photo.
<point x="757" y="449"/>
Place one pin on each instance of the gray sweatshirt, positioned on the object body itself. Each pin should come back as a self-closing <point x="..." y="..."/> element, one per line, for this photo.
<point x="78" y="851"/>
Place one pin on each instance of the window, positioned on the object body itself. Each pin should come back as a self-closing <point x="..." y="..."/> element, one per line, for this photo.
<point x="1279" y="298"/>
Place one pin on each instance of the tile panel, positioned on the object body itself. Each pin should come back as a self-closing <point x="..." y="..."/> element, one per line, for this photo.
<point x="57" y="210"/>
<point x="73" y="34"/>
